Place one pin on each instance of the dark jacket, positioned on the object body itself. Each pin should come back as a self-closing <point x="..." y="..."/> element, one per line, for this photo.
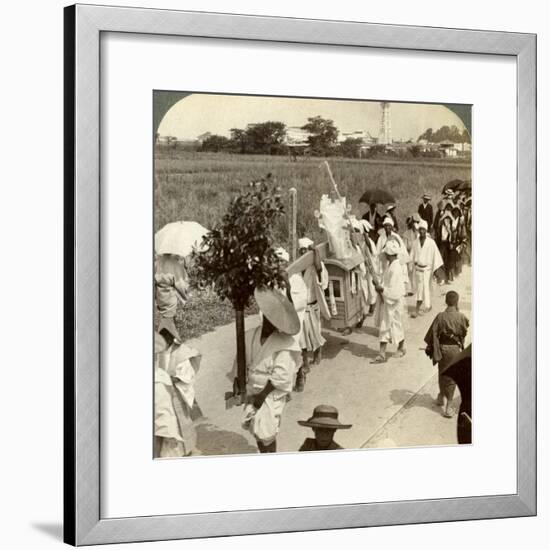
<point x="426" y="212"/>
<point x="310" y="444"/>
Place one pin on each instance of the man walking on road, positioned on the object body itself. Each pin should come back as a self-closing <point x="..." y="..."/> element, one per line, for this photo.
<point x="391" y="304"/>
<point x="444" y="341"/>
<point x="272" y="359"/>
<point x="426" y="259"/>
<point x="426" y="211"/>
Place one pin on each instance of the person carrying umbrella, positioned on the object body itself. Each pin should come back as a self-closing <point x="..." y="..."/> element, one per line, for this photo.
<point x="374" y="197"/>
<point x="170" y="288"/>
<point x="374" y="218"/>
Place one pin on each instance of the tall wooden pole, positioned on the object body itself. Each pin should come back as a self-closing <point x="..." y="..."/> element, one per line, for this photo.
<point x="293" y="213"/>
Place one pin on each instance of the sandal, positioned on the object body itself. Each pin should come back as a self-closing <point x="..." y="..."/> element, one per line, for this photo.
<point x="378" y="359"/>
<point x="448" y="413"/>
<point x="400" y="353"/>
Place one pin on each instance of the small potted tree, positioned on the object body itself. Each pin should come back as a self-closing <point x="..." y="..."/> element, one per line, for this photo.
<point x="238" y="255"/>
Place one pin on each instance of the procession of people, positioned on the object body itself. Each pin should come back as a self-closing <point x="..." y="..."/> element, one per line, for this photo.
<point x="285" y="348"/>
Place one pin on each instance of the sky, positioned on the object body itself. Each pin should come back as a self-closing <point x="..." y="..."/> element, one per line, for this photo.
<point x="200" y="113"/>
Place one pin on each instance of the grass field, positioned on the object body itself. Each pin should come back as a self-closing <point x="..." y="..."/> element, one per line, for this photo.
<point x="199" y="186"/>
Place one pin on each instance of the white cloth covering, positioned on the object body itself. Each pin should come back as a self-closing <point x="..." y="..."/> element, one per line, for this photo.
<point x="426" y="259"/>
<point x="175" y="371"/>
<point x="275" y="360"/>
<point x="390" y="307"/>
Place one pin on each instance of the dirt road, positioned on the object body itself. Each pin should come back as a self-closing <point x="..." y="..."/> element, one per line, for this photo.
<point x="389" y="404"/>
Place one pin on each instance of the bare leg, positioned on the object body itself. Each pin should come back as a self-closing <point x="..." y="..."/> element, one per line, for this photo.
<point x="401" y="350"/>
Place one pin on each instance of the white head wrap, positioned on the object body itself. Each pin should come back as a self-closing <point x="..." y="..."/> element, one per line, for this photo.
<point x="305" y="242"/>
<point x="391" y="248"/>
<point x="423" y="224"/>
<point x="388" y="221"/>
<point x="282" y="253"/>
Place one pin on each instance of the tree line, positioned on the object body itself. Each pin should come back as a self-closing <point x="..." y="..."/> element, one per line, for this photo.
<point x="270" y="138"/>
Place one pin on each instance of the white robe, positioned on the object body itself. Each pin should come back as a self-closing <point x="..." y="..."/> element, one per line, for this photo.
<point x="403" y="255"/>
<point x="391" y="305"/>
<point x="277" y="360"/>
<point x="426" y="259"/>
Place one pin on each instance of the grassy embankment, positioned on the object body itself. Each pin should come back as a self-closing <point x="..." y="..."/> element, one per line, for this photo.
<point x="198" y="186"/>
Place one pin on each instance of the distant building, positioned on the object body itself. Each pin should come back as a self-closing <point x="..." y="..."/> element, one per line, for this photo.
<point x="203" y="137"/>
<point x="296" y="137"/>
<point x="448" y="148"/>
<point x="167" y="141"/>
<point x="365" y="136"/>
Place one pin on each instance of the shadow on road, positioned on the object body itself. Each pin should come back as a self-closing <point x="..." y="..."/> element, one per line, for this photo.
<point x="336" y="344"/>
<point x="408" y="399"/>
<point x="212" y="440"/>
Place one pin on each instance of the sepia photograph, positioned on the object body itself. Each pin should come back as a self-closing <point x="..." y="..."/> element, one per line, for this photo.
<point x="312" y="274"/>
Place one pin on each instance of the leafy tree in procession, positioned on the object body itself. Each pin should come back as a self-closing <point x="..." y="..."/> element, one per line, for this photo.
<point x="238" y="256"/>
<point x="323" y="134"/>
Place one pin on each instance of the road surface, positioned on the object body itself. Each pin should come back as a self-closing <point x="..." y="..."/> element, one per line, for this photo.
<point x="389" y="404"/>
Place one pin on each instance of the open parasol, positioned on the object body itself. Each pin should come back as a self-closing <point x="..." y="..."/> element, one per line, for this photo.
<point x="452" y="185"/>
<point x="179" y="238"/>
<point x="466" y="185"/>
<point x="377" y="196"/>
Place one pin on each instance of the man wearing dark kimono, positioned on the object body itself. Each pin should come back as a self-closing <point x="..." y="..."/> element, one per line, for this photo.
<point x="425" y="210"/>
<point x="444" y="341"/>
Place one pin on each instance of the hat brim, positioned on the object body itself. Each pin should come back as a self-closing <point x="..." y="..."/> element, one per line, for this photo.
<point x="278" y="310"/>
<point x="331" y="423"/>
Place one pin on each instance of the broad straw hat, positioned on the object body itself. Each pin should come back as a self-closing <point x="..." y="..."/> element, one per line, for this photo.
<point x="278" y="309"/>
<point x="324" y="416"/>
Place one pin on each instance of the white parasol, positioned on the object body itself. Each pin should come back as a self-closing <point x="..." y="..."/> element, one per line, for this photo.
<point x="179" y="238"/>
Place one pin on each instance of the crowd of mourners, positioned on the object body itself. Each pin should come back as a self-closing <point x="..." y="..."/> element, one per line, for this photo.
<point x="282" y="350"/>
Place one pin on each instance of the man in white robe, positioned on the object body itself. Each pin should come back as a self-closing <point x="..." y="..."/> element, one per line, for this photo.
<point x="426" y="259"/>
<point x="391" y="304"/>
<point x="387" y="233"/>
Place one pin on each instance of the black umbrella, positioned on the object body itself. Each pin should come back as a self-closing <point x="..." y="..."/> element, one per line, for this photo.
<point x="377" y="195"/>
<point x="452" y="185"/>
<point x="466" y="185"/>
<point x="460" y="370"/>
